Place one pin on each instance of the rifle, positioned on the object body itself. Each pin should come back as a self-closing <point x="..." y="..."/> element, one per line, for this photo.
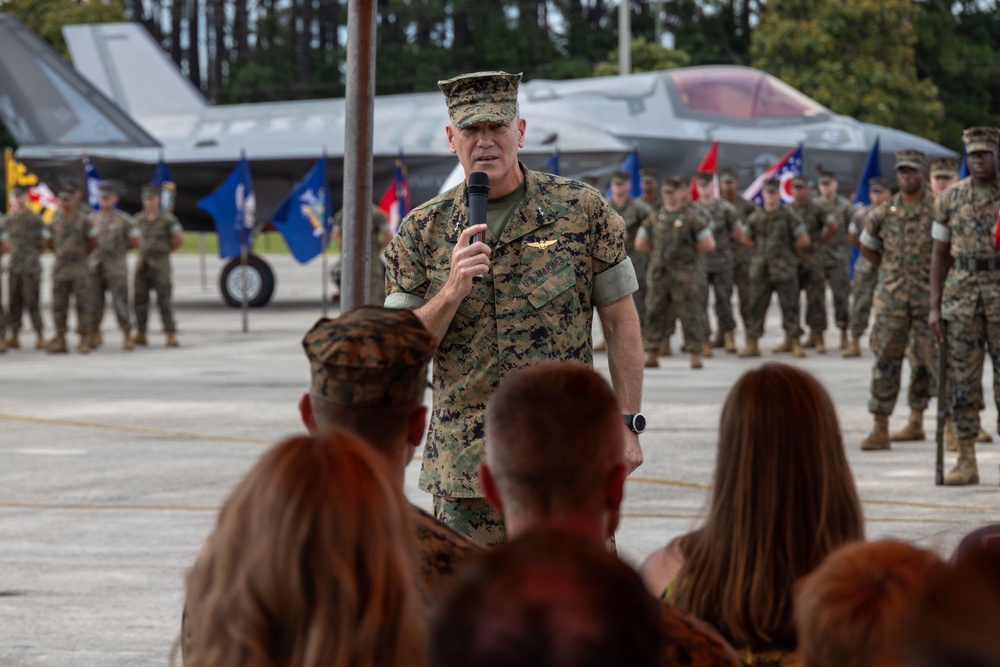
<point x="942" y="408"/>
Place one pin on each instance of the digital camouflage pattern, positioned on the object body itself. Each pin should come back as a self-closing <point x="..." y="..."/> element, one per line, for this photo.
<point x="376" y="270"/>
<point x="811" y="266"/>
<point x="71" y="274"/>
<point x="440" y="552"/>
<point x="723" y="218"/>
<point x="114" y="232"/>
<point x="633" y="214"/>
<point x="481" y="96"/>
<point x="970" y="302"/>
<point x="775" y="268"/>
<point x="675" y="277"/>
<point x="902" y="236"/>
<point x="742" y="256"/>
<point x="944" y="166"/>
<point x="26" y="233"/>
<point x="835" y="256"/>
<point x="152" y="270"/>
<point x="473" y="517"/>
<point x="980" y="139"/>
<point x="561" y="254"/>
<point x="693" y="643"/>
<point x="370" y="356"/>
<point x="863" y="283"/>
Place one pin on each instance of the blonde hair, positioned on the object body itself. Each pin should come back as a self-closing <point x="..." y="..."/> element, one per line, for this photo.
<point x="310" y="564"/>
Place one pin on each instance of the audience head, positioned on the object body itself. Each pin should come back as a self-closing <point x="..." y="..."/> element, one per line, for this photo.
<point x="555" y="450"/>
<point x="309" y="564"/>
<point x="861" y="605"/>
<point x="547" y="599"/>
<point x="783" y="498"/>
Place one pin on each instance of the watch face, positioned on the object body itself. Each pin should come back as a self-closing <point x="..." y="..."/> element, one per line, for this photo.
<point x="638" y="423"/>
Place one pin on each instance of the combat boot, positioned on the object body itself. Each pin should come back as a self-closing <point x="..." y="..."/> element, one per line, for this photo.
<point x="810" y="341"/>
<point x="96" y="340"/>
<point x="843" y="339"/>
<point x="914" y="429"/>
<point x="665" y="350"/>
<point x="3" y="344"/>
<point x="13" y="343"/>
<point x="879" y="437"/>
<point x="39" y="340"/>
<point x="786" y="346"/>
<point x="729" y="342"/>
<point x="750" y="350"/>
<point x="965" y="471"/>
<point x="57" y="345"/>
<point x="172" y="340"/>
<point x="950" y="441"/>
<point x="127" y="342"/>
<point x="140" y="337"/>
<point x="706" y="351"/>
<point x="797" y="350"/>
<point x="695" y="360"/>
<point x="719" y="340"/>
<point x="83" y="347"/>
<point x="651" y="360"/>
<point x="982" y="437"/>
<point x="819" y="343"/>
<point x="853" y="348"/>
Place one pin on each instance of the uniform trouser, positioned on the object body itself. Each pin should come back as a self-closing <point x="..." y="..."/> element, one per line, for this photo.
<point x="24" y="288"/>
<point x="668" y="296"/>
<point x="641" y="264"/>
<point x="741" y="279"/>
<point x="721" y="282"/>
<point x="968" y="342"/>
<point x="473" y="517"/>
<point x="862" y="293"/>
<point x="153" y="278"/>
<point x="837" y="275"/>
<point x="891" y="336"/>
<point x="81" y="287"/>
<point x="788" y="298"/>
<point x="923" y="369"/>
<point x="117" y="284"/>
<point x="811" y="282"/>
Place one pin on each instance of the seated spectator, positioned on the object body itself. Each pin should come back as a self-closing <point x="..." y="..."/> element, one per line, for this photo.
<point x="861" y="605"/>
<point x="987" y="537"/>
<point x="783" y="498"/>
<point x="309" y="565"/>
<point x="555" y="460"/>
<point x="547" y="599"/>
<point x="369" y="374"/>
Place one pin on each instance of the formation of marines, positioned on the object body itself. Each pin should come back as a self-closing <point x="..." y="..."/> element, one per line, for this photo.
<point x="90" y="249"/>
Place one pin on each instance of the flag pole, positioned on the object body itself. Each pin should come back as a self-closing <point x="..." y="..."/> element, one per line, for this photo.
<point x="325" y="293"/>
<point x="244" y="257"/>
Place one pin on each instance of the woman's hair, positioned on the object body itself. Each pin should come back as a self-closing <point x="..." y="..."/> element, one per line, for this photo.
<point x="310" y="564"/>
<point x="783" y="498"/>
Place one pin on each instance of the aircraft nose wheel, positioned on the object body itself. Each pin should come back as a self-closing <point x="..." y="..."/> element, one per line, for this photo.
<point x="259" y="282"/>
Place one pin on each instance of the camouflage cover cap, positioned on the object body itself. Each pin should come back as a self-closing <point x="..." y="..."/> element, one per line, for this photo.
<point x="727" y="176"/>
<point x="827" y="177"/>
<point x="620" y="177"/>
<point x="980" y="139"/>
<point x="672" y="183"/>
<point x="592" y="181"/>
<point x="800" y="181"/>
<point x="944" y="166"/>
<point x="705" y="177"/>
<point x="369" y="357"/>
<point x="108" y="188"/>
<point x="772" y="184"/>
<point x="480" y="97"/>
<point x="914" y="159"/>
<point x="878" y="183"/>
<point x="649" y="174"/>
<point x="150" y="190"/>
<point x="69" y="188"/>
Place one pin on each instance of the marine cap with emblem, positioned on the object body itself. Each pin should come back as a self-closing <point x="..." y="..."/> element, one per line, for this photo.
<point x="370" y="356"/>
<point x="978" y="139"/>
<point x="878" y="183"/>
<point x="914" y="159"/>
<point x="772" y="184"/>
<point x="944" y="166"/>
<point x="481" y="97"/>
<point x="672" y="183"/>
<point x="727" y="176"/>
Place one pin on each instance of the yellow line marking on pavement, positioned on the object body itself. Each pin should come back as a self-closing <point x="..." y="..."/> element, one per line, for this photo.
<point x="133" y="429"/>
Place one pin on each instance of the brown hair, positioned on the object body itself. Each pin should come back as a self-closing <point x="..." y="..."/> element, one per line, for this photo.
<point x="783" y="498"/>
<point x="309" y="564"/>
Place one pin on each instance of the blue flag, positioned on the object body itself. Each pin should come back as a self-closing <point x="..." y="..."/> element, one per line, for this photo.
<point x="93" y="183"/>
<point x="303" y="216"/>
<point x="631" y="167"/>
<point x="234" y="209"/>
<point x="552" y="163"/>
<point x="163" y="179"/>
<point x="963" y="166"/>
<point x="871" y="169"/>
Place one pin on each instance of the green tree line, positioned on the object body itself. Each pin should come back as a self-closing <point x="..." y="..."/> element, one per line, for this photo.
<point x="922" y="66"/>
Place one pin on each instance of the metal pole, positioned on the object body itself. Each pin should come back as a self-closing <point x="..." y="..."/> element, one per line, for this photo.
<point x="624" y="38"/>
<point x="325" y="276"/>
<point x="360" y="94"/>
<point x="244" y="305"/>
<point x="942" y="407"/>
<point x="204" y="268"/>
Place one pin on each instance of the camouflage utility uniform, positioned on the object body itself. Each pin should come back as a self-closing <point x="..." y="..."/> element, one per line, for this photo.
<point x="863" y="283"/>
<point x="71" y="274"/>
<point x="561" y="254"/>
<point x="115" y="230"/>
<point x="440" y="551"/>
<point x="742" y="256"/>
<point x="902" y="235"/>
<point x="835" y="257"/>
<point x="810" y="265"/>
<point x="723" y="217"/>
<point x="775" y="268"/>
<point x="152" y="271"/>
<point x="675" y="277"/>
<point x="634" y="213"/>
<point x="376" y="270"/>
<point x="26" y="233"/>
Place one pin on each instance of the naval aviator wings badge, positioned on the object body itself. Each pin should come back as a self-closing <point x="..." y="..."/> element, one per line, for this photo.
<point x="542" y="245"/>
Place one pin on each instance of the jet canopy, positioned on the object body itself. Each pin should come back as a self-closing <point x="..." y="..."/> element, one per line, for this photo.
<point x="740" y="92"/>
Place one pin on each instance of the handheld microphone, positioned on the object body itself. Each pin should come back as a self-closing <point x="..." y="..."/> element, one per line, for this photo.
<point x="477" y="191"/>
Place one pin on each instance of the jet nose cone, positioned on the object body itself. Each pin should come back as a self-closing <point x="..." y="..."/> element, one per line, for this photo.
<point x="891" y="140"/>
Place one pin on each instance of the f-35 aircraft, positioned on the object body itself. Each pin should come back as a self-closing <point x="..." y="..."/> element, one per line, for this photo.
<point x="126" y="104"/>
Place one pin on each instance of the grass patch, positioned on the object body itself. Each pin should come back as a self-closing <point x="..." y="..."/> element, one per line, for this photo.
<point x="269" y="243"/>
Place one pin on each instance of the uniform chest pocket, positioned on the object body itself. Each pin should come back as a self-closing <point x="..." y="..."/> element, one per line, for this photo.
<point x="555" y="301"/>
<point x="466" y="323"/>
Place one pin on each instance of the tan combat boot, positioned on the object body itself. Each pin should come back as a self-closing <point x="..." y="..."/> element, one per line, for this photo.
<point x="879" y="437"/>
<point x="695" y="360"/>
<point x="84" y="346"/>
<point x="786" y="346"/>
<point x="750" y="350"/>
<point x="13" y="343"/>
<point x="96" y="340"/>
<point x="651" y="360"/>
<point x="843" y="339"/>
<point x="965" y="471"/>
<point x="797" y="350"/>
<point x="127" y="342"/>
<point x="819" y="343"/>
<point x="706" y="351"/>
<point x="172" y="340"/>
<point x="39" y="340"/>
<point x="810" y="341"/>
<point x="982" y="437"/>
<point x="3" y="344"/>
<point x="719" y="340"/>
<point x="950" y="441"/>
<point x="729" y="342"/>
<point x="57" y="345"/>
<point x="665" y="350"/>
<point x="853" y="348"/>
<point x="140" y="338"/>
<point x="914" y="429"/>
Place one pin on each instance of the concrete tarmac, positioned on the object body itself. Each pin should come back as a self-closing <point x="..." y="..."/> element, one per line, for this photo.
<point x="113" y="464"/>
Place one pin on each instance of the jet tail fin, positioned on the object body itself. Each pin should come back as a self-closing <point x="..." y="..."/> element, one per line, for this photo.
<point x="44" y="101"/>
<point x="125" y="63"/>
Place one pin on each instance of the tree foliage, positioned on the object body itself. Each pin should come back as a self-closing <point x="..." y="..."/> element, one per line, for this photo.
<point x="856" y="57"/>
<point x="646" y="57"/>
<point x="47" y="17"/>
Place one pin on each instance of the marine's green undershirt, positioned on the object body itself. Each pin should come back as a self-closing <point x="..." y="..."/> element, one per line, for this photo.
<point x="499" y="211"/>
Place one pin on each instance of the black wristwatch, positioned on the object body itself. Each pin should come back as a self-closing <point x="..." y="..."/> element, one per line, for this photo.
<point x="636" y="422"/>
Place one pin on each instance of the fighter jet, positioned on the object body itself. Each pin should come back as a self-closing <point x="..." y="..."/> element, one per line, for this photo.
<point x="127" y="105"/>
